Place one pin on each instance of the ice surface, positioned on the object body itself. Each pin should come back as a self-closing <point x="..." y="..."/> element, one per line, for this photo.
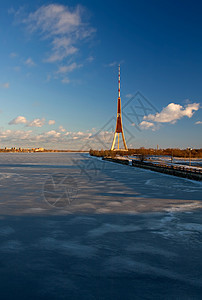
<point x="128" y="233"/>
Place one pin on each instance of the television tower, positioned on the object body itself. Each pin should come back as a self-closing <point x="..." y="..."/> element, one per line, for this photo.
<point x="119" y="126"/>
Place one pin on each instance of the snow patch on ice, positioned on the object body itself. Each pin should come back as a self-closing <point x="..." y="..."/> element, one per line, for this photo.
<point x="55" y="285"/>
<point x="184" y="207"/>
<point x="143" y="248"/>
<point x="83" y="220"/>
<point x="191" y="227"/>
<point x="179" y="184"/>
<point x="8" y="175"/>
<point x="170" y="227"/>
<point x="11" y="246"/>
<point x="67" y="247"/>
<point x="168" y="218"/>
<point x="114" y="203"/>
<point x="6" y="230"/>
<point x="102" y="210"/>
<point x="35" y="209"/>
<point x="121" y="264"/>
<point x="84" y="206"/>
<point x="108" y="228"/>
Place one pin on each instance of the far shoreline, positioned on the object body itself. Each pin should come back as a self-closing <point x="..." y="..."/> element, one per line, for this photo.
<point x="45" y="151"/>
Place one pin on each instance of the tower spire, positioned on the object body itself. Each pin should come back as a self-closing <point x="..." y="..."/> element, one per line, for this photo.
<point x="119" y="126"/>
<point x="119" y="83"/>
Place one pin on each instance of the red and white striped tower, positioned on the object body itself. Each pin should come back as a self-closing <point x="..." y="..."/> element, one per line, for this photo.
<point x="119" y="126"/>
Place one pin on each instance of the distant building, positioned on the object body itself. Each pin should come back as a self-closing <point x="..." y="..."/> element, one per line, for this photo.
<point x="39" y="149"/>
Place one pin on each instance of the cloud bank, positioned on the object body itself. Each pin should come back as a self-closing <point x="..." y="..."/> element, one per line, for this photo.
<point x="18" y="120"/>
<point x="63" y="139"/>
<point x="169" y="114"/>
<point x="34" y="123"/>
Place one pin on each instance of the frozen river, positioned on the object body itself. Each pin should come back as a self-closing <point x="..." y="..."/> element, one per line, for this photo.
<point x="76" y="227"/>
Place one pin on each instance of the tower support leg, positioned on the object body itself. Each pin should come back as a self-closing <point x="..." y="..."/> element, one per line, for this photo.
<point x="124" y="142"/>
<point x="114" y="140"/>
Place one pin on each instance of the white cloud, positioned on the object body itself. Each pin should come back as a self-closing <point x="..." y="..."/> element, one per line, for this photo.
<point x="112" y="64"/>
<point x="18" y="120"/>
<point x="36" y="123"/>
<point x="67" y="133"/>
<point x="53" y="133"/>
<point x="81" y="136"/>
<point x="22" y="120"/>
<point x="61" y="48"/>
<point x="198" y="122"/>
<point x="62" y="129"/>
<point x="5" y="134"/>
<point x="68" y="68"/>
<point x="51" y="122"/>
<point x="15" y="135"/>
<point x="80" y="133"/>
<point x="63" y="26"/>
<point x="173" y="112"/>
<point x="13" y="55"/>
<point x="5" y="85"/>
<point x="90" y="58"/>
<point x="49" y="136"/>
<point x="129" y="95"/>
<point x="29" y="62"/>
<point x="65" y="80"/>
<point x="17" y="68"/>
<point x="147" y="125"/>
<point x="54" y="19"/>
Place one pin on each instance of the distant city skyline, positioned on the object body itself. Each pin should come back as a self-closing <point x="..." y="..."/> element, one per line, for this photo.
<point x="59" y="73"/>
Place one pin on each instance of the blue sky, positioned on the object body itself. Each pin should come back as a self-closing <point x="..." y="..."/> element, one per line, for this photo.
<point x="59" y="71"/>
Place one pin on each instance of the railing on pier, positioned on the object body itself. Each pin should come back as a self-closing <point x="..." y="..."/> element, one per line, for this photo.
<point x="181" y="171"/>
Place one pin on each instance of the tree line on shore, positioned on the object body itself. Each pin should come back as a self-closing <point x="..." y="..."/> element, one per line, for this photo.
<point x="175" y="152"/>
